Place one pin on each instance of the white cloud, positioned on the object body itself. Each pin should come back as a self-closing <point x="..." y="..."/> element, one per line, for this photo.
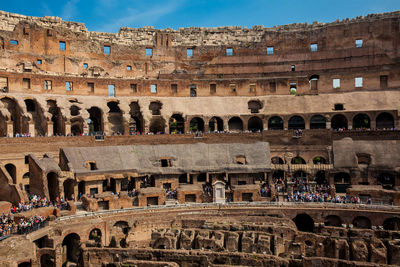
<point x="146" y="17"/>
<point x="69" y="10"/>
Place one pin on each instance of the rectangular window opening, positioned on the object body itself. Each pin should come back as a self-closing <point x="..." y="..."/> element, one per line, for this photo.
<point x="39" y="62"/>
<point x="189" y="52"/>
<point x="272" y="87"/>
<point x="293" y="67"/>
<point x="233" y="87"/>
<point x="107" y="49"/>
<point x="47" y="85"/>
<point x="153" y="88"/>
<point x="336" y="83"/>
<point x="129" y="68"/>
<point x="358" y="82"/>
<point x="26" y="83"/>
<point x="91" y="87"/>
<point x="85" y="65"/>
<point x="338" y="107"/>
<point x="293" y="88"/>
<point x="229" y="51"/>
<point x="134" y="87"/>
<point x="111" y="90"/>
<point x="149" y="52"/>
<point x="62" y="45"/>
<point x="359" y="43"/>
<point x="384" y="81"/>
<point x="270" y="50"/>
<point x="314" y="47"/>
<point x="252" y="88"/>
<point x="68" y="86"/>
<point x="174" y="88"/>
<point x="213" y="88"/>
<point x="14" y="42"/>
<point x="193" y="90"/>
<point x="166" y="163"/>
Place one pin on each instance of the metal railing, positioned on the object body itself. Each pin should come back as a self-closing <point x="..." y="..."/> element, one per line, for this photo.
<point x="239" y="205"/>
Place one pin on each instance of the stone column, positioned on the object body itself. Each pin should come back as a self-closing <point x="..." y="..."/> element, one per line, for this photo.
<point x="373" y="124"/>
<point x="50" y="128"/>
<point x="290" y="188"/>
<point x="10" y="128"/>
<point x="32" y="128"/>
<point x="68" y="127"/>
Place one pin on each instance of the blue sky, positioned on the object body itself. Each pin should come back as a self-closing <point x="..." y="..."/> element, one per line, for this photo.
<point x="110" y="15"/>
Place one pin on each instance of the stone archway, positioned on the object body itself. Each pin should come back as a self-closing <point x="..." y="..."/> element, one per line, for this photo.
<point x="296" y="122"/>
<point x="68" y="188"/>
<point x="304" y="222"/>
<point x="12" y="171"/>
<point x="339" y="121"/>
<point x="255" y="124"/>
<point x="53" y="186"/>
<point x="235" y="124"/>
<point x="71" y="244"/>
<point x="196" y="124"/>
<point x="384" y="121"/>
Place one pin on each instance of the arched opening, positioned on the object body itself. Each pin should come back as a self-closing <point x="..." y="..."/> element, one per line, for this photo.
<point x="339" y="122"/>
<point x="30" y="105"/>
<point x="277" y="160"/>
<point x="255" y="106"/>
<point x="56" y="118"/>
<point x="95" y="235"/>
<point x="176" y="124"/>
<point x="71" y="244"/>
<point x="298" y="160"/>
<point x="384" y="121"/>
<point x="47" y="260"/>
<point x="81" y="188"/>
<point x="275" y="123"/>
<point x="386" y="180"/>
<point x="361" y="121"/>
<point x="135" y="126"/>
<point x="77" y="126"/>
<point x="155" y="107"/>
<point x="333" y="220"/>
<point x="216" y="124"/>
<point x="235" y="124"/>
<point x="74" y="110"/>
<point x="196" y="125"/>
<point x="319" y="160"/>
<point x="19" y="125"/>
<point x="392" y="224"/>
<point x="318" y="122"/>
<point x="115" y="118"/>
<point x="157" y="125"/>
<point x="362" y="222"/>
<point x="68" y="189"/>
<point x="52" y="182"/>
<point x="313" y="81"/>
<point x="136" y="123"/>
<point x="342" y="182"/>
<point x="12" y="171"/>
<point x="296" y="122"/>
<point x="320" y="178"/>
<point x="95" y="121"/>
<point x="255" y="124"/>
<point x="304" y="222"/>
<point x="26" y="175"/>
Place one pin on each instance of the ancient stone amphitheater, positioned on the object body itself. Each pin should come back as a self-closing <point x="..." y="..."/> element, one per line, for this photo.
<point x="222" y="146"/>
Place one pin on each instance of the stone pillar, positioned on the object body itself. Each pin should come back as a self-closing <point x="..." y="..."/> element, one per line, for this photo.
<point x="68" y="127"/>
<point x="313" y="186"/>
<point x="50" y="128"/>
<point x="206" y="127"/>
<point x="290" y="188"/>
<point x="117" y="185"/>
<point x="285" y="124"/>
<point x="373" y="124"/>
<point x="107" y="125"/>
<point x="328" y="125"/>
<point x="245" y="124"/>
<point x="32" y="129"/>
<point x="10" y="128"/>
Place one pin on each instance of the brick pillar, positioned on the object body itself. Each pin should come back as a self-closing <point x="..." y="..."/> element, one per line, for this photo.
<point x="50" y="128"/>
<point x="10" y="128"/>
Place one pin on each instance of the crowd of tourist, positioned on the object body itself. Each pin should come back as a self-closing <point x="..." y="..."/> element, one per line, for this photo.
<point x="10" y="226"/>
<point x="36" y="201"/>
<point x="171" y="194"/>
